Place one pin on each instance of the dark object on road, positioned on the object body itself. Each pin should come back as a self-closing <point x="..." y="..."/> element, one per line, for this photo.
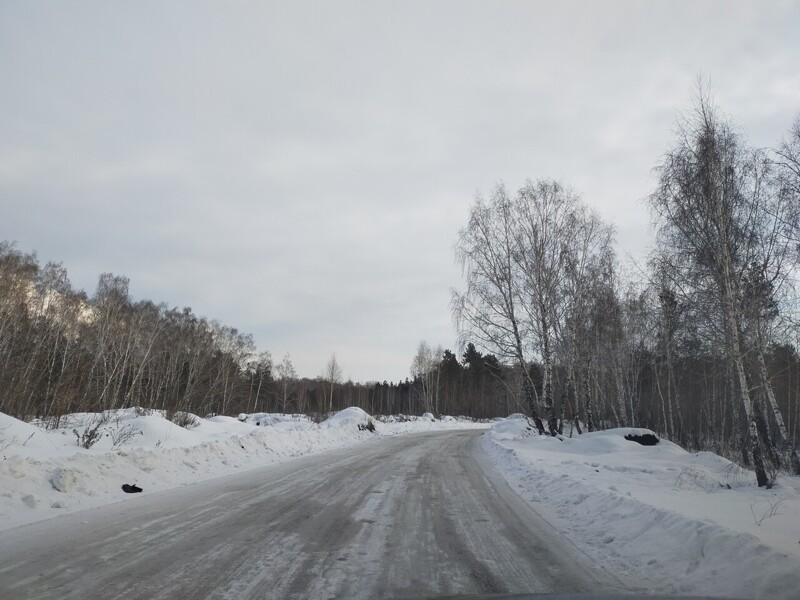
<point x="646" y="439"/>
<point x="131" y="489"/>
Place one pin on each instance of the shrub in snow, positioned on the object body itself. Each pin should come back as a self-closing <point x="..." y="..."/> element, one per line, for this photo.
<point x="428" y="417"/>
<point x="694" y="479"/>
<point x="90" y="435"/>
<point x="761" y="512"/>
<point x="185" y="419"/>
<point x="121" y="435"/>
<point x="318" y="417"/>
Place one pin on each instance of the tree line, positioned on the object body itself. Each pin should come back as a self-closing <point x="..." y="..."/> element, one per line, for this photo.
<point x="698" y="344"/>
<point x="63" y="352"/>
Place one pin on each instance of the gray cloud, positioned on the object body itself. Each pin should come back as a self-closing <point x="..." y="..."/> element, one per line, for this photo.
<point x="300" y="170"/>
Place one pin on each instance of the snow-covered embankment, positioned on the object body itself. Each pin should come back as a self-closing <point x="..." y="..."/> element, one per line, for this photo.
<point x="46" y="472"/>
<point x="664" y="519"/>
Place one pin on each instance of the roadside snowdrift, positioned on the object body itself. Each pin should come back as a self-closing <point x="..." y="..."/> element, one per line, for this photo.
<point x="46" y="472"/>
<point x="668" y="520"/>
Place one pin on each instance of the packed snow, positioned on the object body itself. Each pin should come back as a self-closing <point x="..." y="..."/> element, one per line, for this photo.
<point x="48" y="471"/>
<point x="667" y="520"/>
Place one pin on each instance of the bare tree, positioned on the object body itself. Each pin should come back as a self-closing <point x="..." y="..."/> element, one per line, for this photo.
<point x="669" y="313"/>
<point x="287" y="379"/>
<point x="489" y="311"/>
<point x="333" y="375"/>
<point x="260" y="373"/>
<point x="707" y="210"/>
<point x="542" y="214"/>
<point x="786" y="161"/>
<point x="425" y="368"/>
<point x="590" y="260"/>
<point x="561" y="246"/>
<point x="527" y="262"/>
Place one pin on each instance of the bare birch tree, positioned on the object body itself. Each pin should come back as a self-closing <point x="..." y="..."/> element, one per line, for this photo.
<point x="426" y="368"/>
<point x="527" y="260"/>
<point x="287" y="379"/>
<point x="333" y="375"/>
<point x="542" y="213"/>
<point x="489" y="312"/>
<point x="705" y="207"/>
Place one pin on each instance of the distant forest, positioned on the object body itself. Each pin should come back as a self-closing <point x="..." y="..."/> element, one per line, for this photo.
<point x="699" y="344"/>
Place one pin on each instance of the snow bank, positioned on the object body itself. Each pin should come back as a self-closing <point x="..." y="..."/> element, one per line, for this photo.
<point x="268" y="419"/>
<point x="45" y="472"/>
<point x="668" y="520"/>
<point x="397" y="424"/>
<point x="515" y="426"/>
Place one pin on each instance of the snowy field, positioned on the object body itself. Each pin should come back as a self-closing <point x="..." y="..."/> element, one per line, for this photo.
<point x="46" y="472"/>
<point x="666" y="520"/>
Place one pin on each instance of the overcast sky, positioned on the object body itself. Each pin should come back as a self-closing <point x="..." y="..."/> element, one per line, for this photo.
<point x="300" y="170"/>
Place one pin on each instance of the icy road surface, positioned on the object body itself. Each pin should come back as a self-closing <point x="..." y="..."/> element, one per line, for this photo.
<point x="411" y="516"/>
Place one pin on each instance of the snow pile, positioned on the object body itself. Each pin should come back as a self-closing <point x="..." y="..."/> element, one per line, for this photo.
<point x="514" y="427"/>
<point x="85" y="460"/>
<point x="349" y="417"/>
<point x="397" y="424"/>
<point x="668" y="520"/>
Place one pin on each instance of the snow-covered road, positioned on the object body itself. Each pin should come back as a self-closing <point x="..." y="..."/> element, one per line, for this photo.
<point x="415" y="516"/>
